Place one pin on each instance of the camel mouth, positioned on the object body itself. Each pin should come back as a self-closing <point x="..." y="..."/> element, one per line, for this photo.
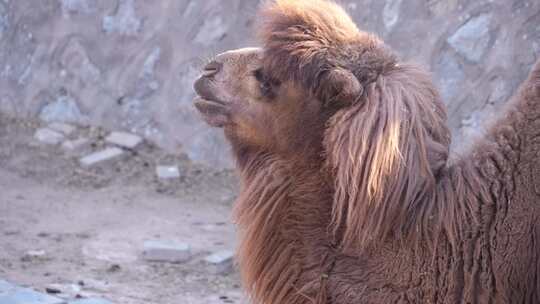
<point x="213" y="110"/>
<point x="203" y="89"/>
<point x="214" y="113"/>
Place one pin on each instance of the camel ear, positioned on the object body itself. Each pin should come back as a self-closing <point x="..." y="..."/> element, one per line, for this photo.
<point x="339" y="86"/>
<point x="384" y="153"/>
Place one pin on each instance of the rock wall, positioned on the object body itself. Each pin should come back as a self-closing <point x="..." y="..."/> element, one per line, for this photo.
<point x="130" y="64"/>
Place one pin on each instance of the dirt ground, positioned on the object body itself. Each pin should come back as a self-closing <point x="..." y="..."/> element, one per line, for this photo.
<point x="92" y="223"/>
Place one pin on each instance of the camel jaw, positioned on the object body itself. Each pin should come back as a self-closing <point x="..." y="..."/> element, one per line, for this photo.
<point x="214" y="113"/>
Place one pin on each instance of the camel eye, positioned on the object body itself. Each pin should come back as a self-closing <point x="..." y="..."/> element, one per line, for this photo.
<point x="259" y="75"/>
<point x="266" y="84"/>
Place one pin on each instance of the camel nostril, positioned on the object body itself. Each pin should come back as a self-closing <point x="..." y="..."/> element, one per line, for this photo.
<point x="212" y="68"/>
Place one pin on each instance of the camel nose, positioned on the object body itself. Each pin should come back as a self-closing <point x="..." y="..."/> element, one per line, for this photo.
<point x="212" y="68"/>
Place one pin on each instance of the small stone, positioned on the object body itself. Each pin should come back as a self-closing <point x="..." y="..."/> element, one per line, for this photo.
<point x="125" y="140"/>
<point x="95" y="285"/>
<point x="391" y="13"/>
<point x="63" y="128"/>
<point x="64" y="109"/>
<point x="66" y="291"/>
<point x="114" y="268"/>
<point x="76" y="145"/>
<point x="161" y="251"/>
<point x="220" y="262"/>
<point x="48" y="136"/>
<point x="472" y="39"/>
<point x="166" y="172"/>
<point x="101" y="157"/>
<point x="34" y="255"/>
<point x="53" y="289"/>
<point x="125" y="22"/>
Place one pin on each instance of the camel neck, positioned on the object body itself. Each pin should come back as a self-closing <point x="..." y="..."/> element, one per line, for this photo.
<point x="282" y="214"/>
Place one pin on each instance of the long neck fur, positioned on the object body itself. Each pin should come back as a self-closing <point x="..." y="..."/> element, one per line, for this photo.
<point x="282" y="226"/>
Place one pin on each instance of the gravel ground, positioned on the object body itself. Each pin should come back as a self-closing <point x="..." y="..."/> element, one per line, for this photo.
<point x="92" y="222"/>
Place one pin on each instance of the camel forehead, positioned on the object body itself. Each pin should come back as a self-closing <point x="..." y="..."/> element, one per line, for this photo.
<point x="244" y="55"/>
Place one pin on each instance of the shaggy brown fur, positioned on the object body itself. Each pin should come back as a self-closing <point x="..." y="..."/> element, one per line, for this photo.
<point x="369" y="209"/>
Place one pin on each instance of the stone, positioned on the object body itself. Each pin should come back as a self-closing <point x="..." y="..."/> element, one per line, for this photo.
<point x="76" y="63"/>
<point x="4" y="21"/>
<point x="147" y="83"/>
<point x="125" y="22"/>
<point x="101" y="157"/>
<point x="125" y="140"/>
<point x="33" y="255"/>
<point x="76" y="145"/>
<point x="63" y="109"/>
<point x="391" y="13"/>
<point x="472" y="39"/>
<point x="212" y="30"/>
<point x="90" y="301"/>
<point x="79" y="6"/>
<point x="63" y="290"/>
<point x="63" y="128"/>
<point x="449" y="76"/>
<point x="48" y="136"/>
<point x="12" y="294"/>
<point x="167" y="172"/>
<point x="220" y="262"/>
<point x="163" y="251"/>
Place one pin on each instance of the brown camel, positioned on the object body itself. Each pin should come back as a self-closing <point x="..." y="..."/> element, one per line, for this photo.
<point x="348" y="194"/>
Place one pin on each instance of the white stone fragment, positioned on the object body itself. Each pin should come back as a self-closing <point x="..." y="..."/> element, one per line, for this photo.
<point x="48" y="136"/>
<point x="125" y="140"/>
<point x="163" y="251"/>
<point x="167" y="172"/>
<point x="101" y="156"/>
<point x="220" y="262"/>
<point x="63" y="128"/>
<point x="32" y="255"/>
<point x="76" y="145"/>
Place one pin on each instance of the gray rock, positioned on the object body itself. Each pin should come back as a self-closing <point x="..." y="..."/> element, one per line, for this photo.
<point x="101" y="157"/>
<point x="147" y="83"/>
<point x="76" y="62"/>
<point x="79" y="6"/>
<point x="33" y="255"/>
<point x="449" y="76"/>
<point x="76" y="145"/>
<point x="125" y="140"/>
<point x="442" y="7"/>
<point x="13" y="294"/>
<point x="391" y="13"/>
<point x="48" y="136"/>
<point x="63" y="109"/>
<point x="472" y="39"/>
<point x="212" y="30"/>
<point x="220" y="262"/>
<point x="63" y="128"/>
<point x="4" y="22"/>
<point x="163" y="251"/>
<point x="167" y="172"/>
<point x="125" y="22"/>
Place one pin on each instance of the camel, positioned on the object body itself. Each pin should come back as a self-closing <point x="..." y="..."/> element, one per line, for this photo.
<point x="348" y="192"/>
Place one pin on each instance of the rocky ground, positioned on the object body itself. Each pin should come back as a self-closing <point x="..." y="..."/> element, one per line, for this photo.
<point x="81" y="230"/>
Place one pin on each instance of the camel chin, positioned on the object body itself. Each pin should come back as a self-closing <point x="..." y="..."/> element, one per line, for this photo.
<point x="214" y="113"/>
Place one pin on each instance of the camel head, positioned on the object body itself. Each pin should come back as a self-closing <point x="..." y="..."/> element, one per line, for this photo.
<point x="256" y="108"/>
<point x="320" y="84"/>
